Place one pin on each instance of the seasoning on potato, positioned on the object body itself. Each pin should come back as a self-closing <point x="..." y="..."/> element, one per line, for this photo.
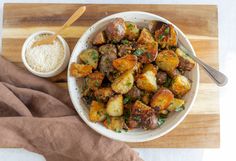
<point x="133" y="76"/>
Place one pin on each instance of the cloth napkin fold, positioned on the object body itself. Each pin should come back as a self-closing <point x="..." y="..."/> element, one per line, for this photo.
<point x="39" y="116"/>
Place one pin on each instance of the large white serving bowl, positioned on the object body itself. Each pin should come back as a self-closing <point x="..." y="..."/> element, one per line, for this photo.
<point x="137" y="135"/>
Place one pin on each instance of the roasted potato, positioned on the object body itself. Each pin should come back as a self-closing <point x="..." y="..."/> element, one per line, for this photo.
<point x="132" y="31"/>
<point x="167" y="60"/>
<point x="80" y="70"/>
<point x="162" y="99"/>
<point x="147" y="81"/>
<point x="99" y="39"/>
<point x="115" y="106"/>
<point x="123" y="83"/>
<point x="125" y="63"/>
<point x="176" y="103"/>
<point x="108" y="49"/>
<point x="161" y="77"/>
<point x="166" y="36"/>
<point x="145" y="37"/>
<point x="90" y="57"/>
<point x="116" y="30"/>
<point x="150" y="67"/>
<point x="114" y="123"/>
<point x="94" y="80"/>
<point x="140" y="108"/>
<point x="97" y="111"/>
<point x="180" y="85"/>
<point x="124" y="49"/>
<point x="103" y="94"/>
<point x="185" y="62"/>
<point x="147" y="53"/>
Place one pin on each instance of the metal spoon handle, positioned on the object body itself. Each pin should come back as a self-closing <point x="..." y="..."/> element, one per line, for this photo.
<point x="219" y="78"/>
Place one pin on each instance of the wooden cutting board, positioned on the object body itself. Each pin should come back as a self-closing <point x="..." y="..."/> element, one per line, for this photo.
<point x="201" y="128"/>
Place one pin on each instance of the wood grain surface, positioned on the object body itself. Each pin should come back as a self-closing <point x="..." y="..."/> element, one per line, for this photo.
<point x="201" y="128"/>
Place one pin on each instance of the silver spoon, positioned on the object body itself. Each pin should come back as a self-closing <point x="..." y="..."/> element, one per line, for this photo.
<point x="219" y="78"/>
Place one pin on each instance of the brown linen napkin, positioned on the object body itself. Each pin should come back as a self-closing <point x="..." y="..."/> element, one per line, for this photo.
<point x="37" y="115"/>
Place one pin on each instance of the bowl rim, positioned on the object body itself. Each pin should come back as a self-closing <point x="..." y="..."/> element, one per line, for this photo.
<point x="151" y="137"/>
<point x="60" y="67"/>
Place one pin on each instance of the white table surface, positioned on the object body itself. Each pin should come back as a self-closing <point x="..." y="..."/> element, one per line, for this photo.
<point x="227" y="57"/>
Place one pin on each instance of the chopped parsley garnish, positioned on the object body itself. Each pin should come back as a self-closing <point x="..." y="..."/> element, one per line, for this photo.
<point x="125" y="41"/>
<point x="137" y="118"/>
<point x="97" y="83"/>
<point x="94" y="55"/>
<point x="161" y="37"/>
<point x="126" y="115"/>
<point x="126" y="99"/>
<point x="118" y="130"/>
<point x="108" y="119"/>
<point x="99" y="113"/>
<point x="167" y="83"/>
<point x="138" y="52"/>
<point x="161" y="121"/>
<point x="130" y="26"/>
<point x="148" y="55"/>
<point x="181" y="108"/>
<point x="167" y="30"/>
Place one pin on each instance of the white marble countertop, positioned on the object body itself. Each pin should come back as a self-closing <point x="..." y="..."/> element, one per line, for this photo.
<point x="227" y="57"/>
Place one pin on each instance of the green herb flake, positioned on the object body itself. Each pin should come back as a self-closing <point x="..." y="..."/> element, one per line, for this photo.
<point x="126" y="99"/>
<point x="118" y="130"/>
<point x="167" y="30"/>
<point x="161" y="37"/>
<point x="138" y="52"/>
<point x="108" y="119"/>
<point x="161" y="121"/>
<point x="94" y="55"/>
<point x="126" y="115"/>
<point x="148" y="55"/>
<point x="99" y="113"/>
<point x="130" y="26"/>
<point x="181" y="108"/>
<point x="137" y="118"/>
<point x="125" y="41"/>
<point x="168" y="82"/>
<point x="97" y="84"/>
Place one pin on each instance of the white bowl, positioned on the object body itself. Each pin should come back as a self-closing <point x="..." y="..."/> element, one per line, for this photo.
<point x="54" y="72"/>
<point x="137" y="135"/>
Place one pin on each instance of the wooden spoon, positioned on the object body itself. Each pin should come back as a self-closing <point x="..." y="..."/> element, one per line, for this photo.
<point x="72" y="19"/>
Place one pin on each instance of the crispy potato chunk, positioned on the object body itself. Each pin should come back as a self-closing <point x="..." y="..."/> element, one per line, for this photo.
<point x="80" y="70"/>
<point x="114" y="123"/>
<point x="162" y="99"/>
<point x="125" y="63"/>
<point x="123" y="83"/>
<point x="132" y="31"/>
<point x="176" y="103"/>
<point x="116" y="30"/>
<point x="103" y="94"/>
<point x="90" y="57"/>
<point x="108" y="49"/>
<point x="180" y="85"/>
<point x="94" y="80"/>
<point x="97" y="112"/>
<point x="145" y="37"/>
<point x="140" y="107"/>
<point x="147" y="81"/>
<point x="115" y="106"/>
<point x="147" y="53"/>
<point x="166" y="36"/>
<point x="185" y="62"/>
<point x="124" y="49"/>
<point x="167" y="60"/>
<point x="99" y="39"/>
<point x="150" y="67"/>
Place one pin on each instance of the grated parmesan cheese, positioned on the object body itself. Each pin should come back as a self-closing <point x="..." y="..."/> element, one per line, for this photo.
<point x="44" y="58"/>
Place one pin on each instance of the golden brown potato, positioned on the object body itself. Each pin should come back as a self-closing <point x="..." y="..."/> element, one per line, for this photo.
<point x="150" y="67"/>
<point x="116" y="30"/>
<point x="185" y="62"/>
<point x="123" y="83"/>
<point x="145" y="37"/>
<point x="125" y="63"/>
<point x="97" y="112"/>
<point x="80" y="70"/>
<point x="176" y="103"/>
<point x="99" y="39"/>
<point x="108" y="49"/>
<point x="180" y="85"/>
<point x="114" y="123"/>
<point x="140" y="107"/>
<point x="167" y="60"/>
<point x="103" y="94"/>
<point x="132" y="31"/>
<point x="166" y="36"/>
<point x="90" y="57"/>
<point x="147" y="53"/>
<point x="94" y="80"/>
<point x="115" y="106"/>
<point x="162" y="99"/>
<point x="147" y="81"/>
<point x="124" y="49"/>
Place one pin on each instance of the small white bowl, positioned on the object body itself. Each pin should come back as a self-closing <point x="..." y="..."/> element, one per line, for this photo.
<point x="136" y="135"/>
<point x="54" y="72"/>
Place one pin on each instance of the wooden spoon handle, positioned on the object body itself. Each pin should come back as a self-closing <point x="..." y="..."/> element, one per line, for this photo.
<point x="71" y="20"/>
